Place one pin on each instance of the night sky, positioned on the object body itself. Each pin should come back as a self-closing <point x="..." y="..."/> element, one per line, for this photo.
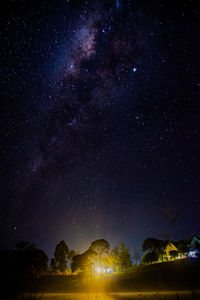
<point x="100" y="114"/>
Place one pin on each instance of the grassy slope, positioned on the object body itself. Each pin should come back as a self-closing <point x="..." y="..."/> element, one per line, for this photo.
<point x="177" y="275"/>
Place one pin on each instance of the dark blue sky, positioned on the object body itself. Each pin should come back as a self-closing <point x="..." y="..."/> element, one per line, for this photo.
<point x="100" y="122"/>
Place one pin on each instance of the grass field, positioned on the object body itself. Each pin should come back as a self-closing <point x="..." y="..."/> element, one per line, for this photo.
<point x="179" y="275"/>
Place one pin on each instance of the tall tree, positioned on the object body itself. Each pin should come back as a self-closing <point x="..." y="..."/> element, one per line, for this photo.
<point x="20" y="269"/>
<point x="125" y="258"/>
<point x="116" y="259"/>
<point x="161" y="253"/>
<point x="112" y="259"/>
<point x="22" y="246"/>
<point x="60" y="254"/>
<point x="183" y="245"/>
<point x="119" y="259"/>
<point x="149" y="257"/>
<point x="71" y="254"/>
<point x="136" y="255"/>
<point x="54" y="264"/>
<point x="151" y="244"/>
<point x="101" y="247"/>
<point x="29" y="258"/>
<point x="83" y="261"/>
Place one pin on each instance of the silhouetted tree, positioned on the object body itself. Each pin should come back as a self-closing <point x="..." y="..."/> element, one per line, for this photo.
<point x="149" y="257"/>
<point x="101" y="247"/>
<point x="21" y="268"/>
<point x="124" y="257"/>
<point x="22" y="245"/>
<point x="29" y="259"/>
<point x="83" y="261"/>
<point x="136" y="255"/>
<point x="54" y="264"/>
<point x="161" y="253"/>
<point x="112" y="259"/>
<point x="183" y="245"/>
<point x="119" y="259"/>
<point x="79" y="262"/>
<point x="151" y="244"/>
<point x="71" y="254"/>
<point x="60" y="254"/>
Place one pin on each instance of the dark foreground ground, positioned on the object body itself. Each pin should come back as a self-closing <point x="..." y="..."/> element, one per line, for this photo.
<point x="169" y="295"/>
<point x="182" y="275"/>
<point x="173" y="280"/>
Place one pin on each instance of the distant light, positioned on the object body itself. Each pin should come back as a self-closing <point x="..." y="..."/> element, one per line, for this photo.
<point x="192" y="254"/>
<point x="107" y="270"/>
<point x="103" y="30"/>
<point x="98" y="270"/>
<point x="134" y="69"/>
<point x="179" y="257"/>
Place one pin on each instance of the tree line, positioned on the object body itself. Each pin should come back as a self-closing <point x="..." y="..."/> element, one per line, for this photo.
<point x="22" y="267"/>
<point x="99" y="252"/>
<point x="26" y="258"/>
<point x="26" y="263"/>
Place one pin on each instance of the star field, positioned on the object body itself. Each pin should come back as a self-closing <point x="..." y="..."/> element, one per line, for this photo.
<point x="100" y="121"/>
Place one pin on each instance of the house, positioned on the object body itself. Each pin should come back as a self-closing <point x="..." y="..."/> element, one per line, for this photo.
<point x="194" y="247"/>
<point x="168" y="248"/>
<point x="195" y="243"/>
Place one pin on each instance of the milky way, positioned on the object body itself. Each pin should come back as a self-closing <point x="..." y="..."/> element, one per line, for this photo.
<point x="99" y="62"/>
<point x="100" y="121"/>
